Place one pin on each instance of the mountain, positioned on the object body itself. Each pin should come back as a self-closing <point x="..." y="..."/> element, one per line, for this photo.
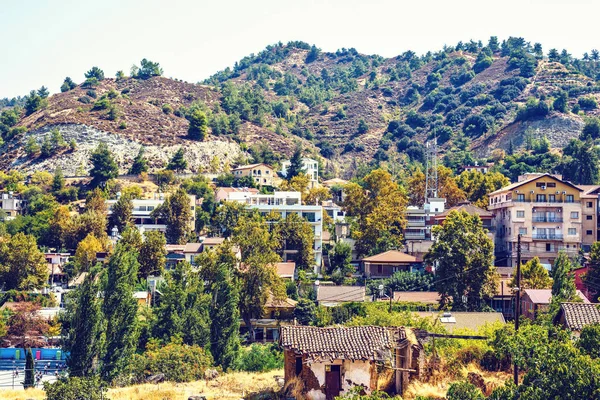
<point x="347" y="107"/>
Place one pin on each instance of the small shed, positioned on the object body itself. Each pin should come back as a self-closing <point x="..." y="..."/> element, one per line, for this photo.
<point x="327" y="362"/>
<point x="575" y="316"/>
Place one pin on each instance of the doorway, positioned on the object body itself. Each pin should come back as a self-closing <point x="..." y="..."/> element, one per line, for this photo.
<point x="333" y="381"/>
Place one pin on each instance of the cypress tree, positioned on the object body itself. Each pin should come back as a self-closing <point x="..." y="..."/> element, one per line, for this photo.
<point x="178" y="162"/>
<point x="85" y="325"/>
<point x="296" y="166"/>
<point x="122" y="213"/>
<point x="29" y="381"/>
<point x="563" y="286"/>
<point x="58" y="182"/>
<point x="120" y="310"/>
<point x="140" y="164"/>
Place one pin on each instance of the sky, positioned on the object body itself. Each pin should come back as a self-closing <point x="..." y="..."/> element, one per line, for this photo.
<point x="43" y="41"/>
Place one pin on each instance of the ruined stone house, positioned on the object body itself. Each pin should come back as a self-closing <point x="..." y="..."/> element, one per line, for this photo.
<point x="327" y="362"/>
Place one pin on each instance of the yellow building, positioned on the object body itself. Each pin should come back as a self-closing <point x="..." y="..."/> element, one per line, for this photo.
<point x="551" y="215"/>
<point x="261" y="173"/>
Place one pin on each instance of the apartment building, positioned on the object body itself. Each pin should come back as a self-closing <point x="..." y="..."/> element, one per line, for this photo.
<point x="261" y="173"/>
<point x="311" y="169"/>
<point x="143" y="208"/>
<point x="11" y="204"/>
<point x="419" y="221"/>
<point x="548" y="212"/>
<point x="285" y="203"/>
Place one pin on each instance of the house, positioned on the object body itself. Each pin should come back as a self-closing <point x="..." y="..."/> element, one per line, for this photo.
<point x="504" y="298"/>
<point x="282" y="309"/>
<point x="143" y="298"/>
<point x="285" y="203"/>
<point x="419" y="221"/>
<point x="534" y="301"/>
<point x="575" y="316"/>
<point x="189" y="251"/>
<point x="261" y="173"/>
<point x="310" y="168"/>
<point x="547" y="212"/>
<point x="462" y="319"/>
<point x="12" y="205"/>
<point x="56" y="262"/>
<point x="276" y="313"/>
<point x="479" y="168"/>
<point x="485" y="216"/>
<point x="425" y="298"/>
<point x="142" y="212"/>
<point x="286" y="270"/>
<point x="579" y="272"/>
<point x="234" y="194"/>
<point x="331" y="361"/>
<point x="335" y="212"/>
<point x="331" y="296"/>
<point x="385" y="264"/>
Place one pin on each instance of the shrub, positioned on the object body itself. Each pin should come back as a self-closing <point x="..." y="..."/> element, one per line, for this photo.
<point x="533" y="109"/>
<point x="587" y="103"/>
<point x="101" y="104"/>
<point x="123" y="125"/>
<point x="91" y="93"/>
<point x="165" y="177"/>
<point x="362" y="127"/>
<point x="476" y="125"/>
<point x="415" y="120"/>
<point x="167" y="109"/>
<point x="179" y="362"/>
<point x="73" y="388"/>
<point x="261" y="358"/>
<point x="463" y="391"/>
<point x="84" y="100"/>
<point x="462" y="77"/>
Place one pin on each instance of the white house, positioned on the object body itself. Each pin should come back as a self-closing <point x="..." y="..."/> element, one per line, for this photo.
<point x="11" y="204"/>
<point x="310" y="166"/>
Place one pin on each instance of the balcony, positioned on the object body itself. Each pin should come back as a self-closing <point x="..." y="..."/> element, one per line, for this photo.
<point x="547" y="219"/>
<point x="547" y="236"/>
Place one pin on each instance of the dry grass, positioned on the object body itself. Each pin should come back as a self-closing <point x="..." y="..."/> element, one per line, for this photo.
<point x="229" y="386"/>
<point x="438" y="386"/>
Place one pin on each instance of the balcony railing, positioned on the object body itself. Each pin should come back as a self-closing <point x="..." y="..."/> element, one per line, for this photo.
<point x="547" y="236"/>
<point x="547" y="219"/>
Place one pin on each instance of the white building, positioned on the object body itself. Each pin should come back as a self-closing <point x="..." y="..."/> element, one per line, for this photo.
<point x="310" y="167"/>
<point x="234" y="194"/>
<point x="143" y="208"/>
<point x="11" y="204"/>
<point x="285" y="203"/>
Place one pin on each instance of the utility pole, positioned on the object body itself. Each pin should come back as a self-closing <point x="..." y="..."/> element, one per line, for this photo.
<point x="391" y="296"/>
<point x="517" y="302"/>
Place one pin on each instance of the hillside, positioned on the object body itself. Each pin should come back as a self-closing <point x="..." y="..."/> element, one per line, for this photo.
<point x="345" y="106"/>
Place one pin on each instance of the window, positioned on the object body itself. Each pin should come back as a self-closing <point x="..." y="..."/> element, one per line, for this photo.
<point x="570" y="198"/>
<point x="588" y="204"/>
<point x="540" y="198"/>
<point x="552" y="198"/>
<point x="551" y="184"/>
<point x="548" y="246"/>
<point x="589" y="217"/>
<point x="540" y="184"/>
<point x="298" y="366"/>
<point x="520" y="197"/>
<point x="522" y="231"/>
<point x="520" y="213"/>
<point x="572" y="231"/>
<point x="589" y="232"/>
<point x="574" y="214"/>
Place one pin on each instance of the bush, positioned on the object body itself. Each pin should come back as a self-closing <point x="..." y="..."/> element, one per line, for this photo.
<point x="91" y="93"/>
<point x="179" y="362"/>
<point x="533" y="109"/>
<point x="262" y="358"/>
<point x="73" y="388"/>
<point x="165" y="177"/>
<point x="101" y="104"/>
<point x="587" y="103"/>
<point x="84" y="100"/>
<point x="463" y="391"/>
<point x="462" y="77"/>
<point x="167" y="109"/>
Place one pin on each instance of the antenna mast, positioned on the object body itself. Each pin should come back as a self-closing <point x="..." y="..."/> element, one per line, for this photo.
<point x="431" y="170"/>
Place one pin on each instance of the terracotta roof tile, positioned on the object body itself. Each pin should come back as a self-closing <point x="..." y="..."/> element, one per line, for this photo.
<point x="392" y="256"/>
<point x="346" y="343"/>
<point x="578" y="315"/>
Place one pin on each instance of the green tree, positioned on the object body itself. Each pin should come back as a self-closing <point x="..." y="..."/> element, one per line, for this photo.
<point x="176" y="213"/>
<point x="120" y="75"/>
<point x="140" y="164"/>
<point x="32" y="147"/>
<point x="296" y="234"/>
<point x="29" y="381"/>
<point x="58" y="181"/>
<point x="362" y="127"/>
<point x="67" y="85"/>
<point x="120" y="310"/>
<point x="226" y="216"/>
<point x="104" y="165"/>
<point x="534" y="276"/>
<point x="83" y="335"/>
<point x="183" y="309"/>
<point x="34" y="102"/>
<point x="589" y="340"/>
<point x="178" y="162"/>
<point x="592" y="277"/>
<point x="305" y="312"/>
<point x="340" y="258"/>
<point x="22" y="264"/>
<point x="121" y="213"/>
<point x="463" y="256"/>
<point x="43" y="92"/>
<point x="152" y="256"/>
<point x="464" y="391"/>
<point x="580" y="162"/>
<point x="561" y="101"/>
<point x="75" y="388"/>
<point x="148" y="69"/>
<point x="563" y="285"/>
<point x="198" y="125"/>
<point x="296" y="164"/>
<point x="96" y="73"/>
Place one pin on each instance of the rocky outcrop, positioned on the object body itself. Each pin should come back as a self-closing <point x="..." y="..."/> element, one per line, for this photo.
<point x="76" y="163"/>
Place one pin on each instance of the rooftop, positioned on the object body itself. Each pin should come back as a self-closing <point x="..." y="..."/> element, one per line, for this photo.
<point x="368" y="343"/>
<point x="392" y="256"/>
<point x="248" y="166"/>
<point x="418" y="297"/>
<point x="543" y="296"/>
<point x="578" y="315"/>
<point x="463" y="319"/>
<point x="468" y="208"/>
<point x="285" y="269"/>
<point x="340" y="294"/>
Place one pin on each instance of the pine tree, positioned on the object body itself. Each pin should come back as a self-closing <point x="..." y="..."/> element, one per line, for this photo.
<point x="563" y="286"/>
<point x="29" y="381"/>
<point x="58" y="182"/>
<point x="104" y="165"/>
<point x="140" y="164"/>
<point x="152" y="254"/>
<point x="120" y="310"/>
<point x="177" y="215"/>
<point x="178" y="162"/>
<point x="198" y="125"/>
<point x="83" y="338"/>
<point x="121" y="213"/>
<point x="296" y="165"/>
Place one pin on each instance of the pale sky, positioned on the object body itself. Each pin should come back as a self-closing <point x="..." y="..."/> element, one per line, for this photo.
<point x="43" y="41"/>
